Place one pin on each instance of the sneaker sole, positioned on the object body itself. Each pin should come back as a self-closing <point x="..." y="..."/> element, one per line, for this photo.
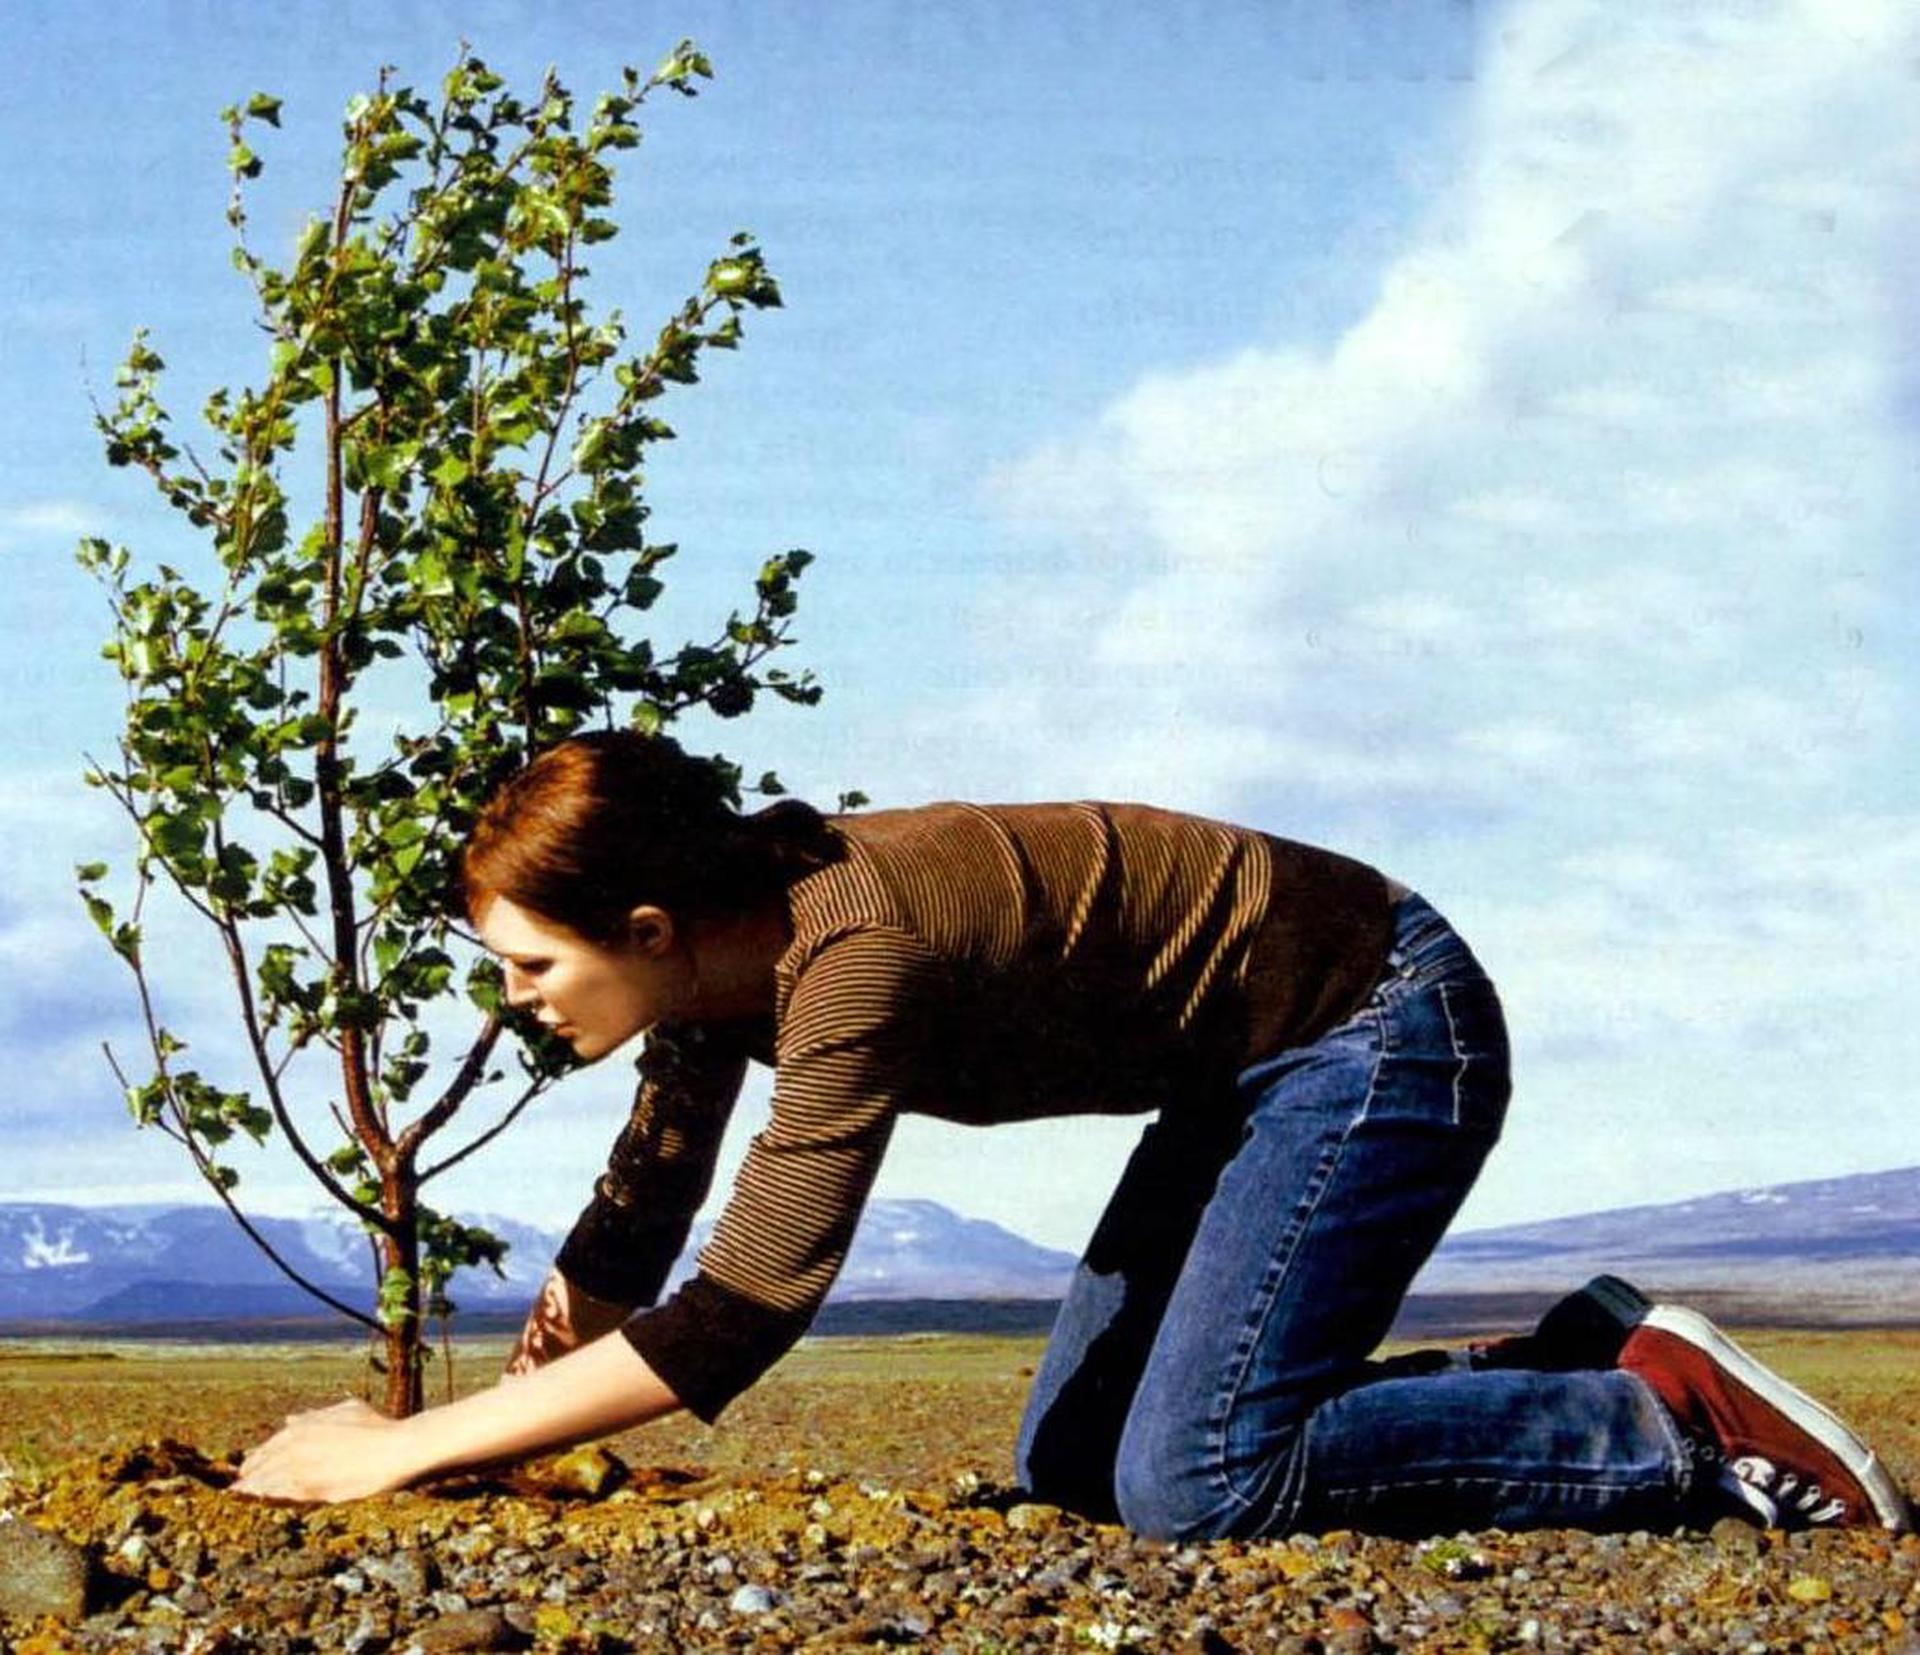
<point x="1820" y="1423"/>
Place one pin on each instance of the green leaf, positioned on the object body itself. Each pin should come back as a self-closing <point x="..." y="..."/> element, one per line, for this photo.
<point x="101" y="912"/>
<point x="396" y="1297"/>
<point x="347" y="1159"/>
<point x="479" y="596"/>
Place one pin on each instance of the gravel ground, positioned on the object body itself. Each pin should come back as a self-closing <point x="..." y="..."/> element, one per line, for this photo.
<point x="583" y="1554"/>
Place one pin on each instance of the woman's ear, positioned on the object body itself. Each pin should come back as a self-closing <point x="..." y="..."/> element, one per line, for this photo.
<point x="650" y="931"/>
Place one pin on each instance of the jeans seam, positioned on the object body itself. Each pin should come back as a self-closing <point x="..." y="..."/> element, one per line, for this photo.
<point x="1599" y="1483"/>
<point x="1453" y="1044"/>
<point x="1303" y="1214"/>
<point x="1680" y="1462"/>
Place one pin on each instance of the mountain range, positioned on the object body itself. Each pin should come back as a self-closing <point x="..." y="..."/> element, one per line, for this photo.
<point x="1835" y="1250"/>
<point x="1830" y="1250"/>
<point x="143" y="1264"/>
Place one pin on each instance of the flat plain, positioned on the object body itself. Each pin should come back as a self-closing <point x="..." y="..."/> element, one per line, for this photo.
<point x="855" y="1499"/>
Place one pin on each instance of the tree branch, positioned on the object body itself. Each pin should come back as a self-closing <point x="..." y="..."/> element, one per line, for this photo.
<point x="205" y="1166"/>
<point x="534" y="1089"/>
<point x="465" y="1078"/>
<point x="270" y="1078"/>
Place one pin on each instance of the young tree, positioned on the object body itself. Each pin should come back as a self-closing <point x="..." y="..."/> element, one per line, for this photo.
<point x="311" y="727"/>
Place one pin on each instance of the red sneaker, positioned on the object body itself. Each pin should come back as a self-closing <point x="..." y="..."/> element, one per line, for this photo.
<point x="1768" y="1445"/>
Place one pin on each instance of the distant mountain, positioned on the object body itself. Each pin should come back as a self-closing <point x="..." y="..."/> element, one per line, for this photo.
<point x="1837" y="1249"/>
<point x="130" y="1265"/>
<point x="1848" y="1248"/>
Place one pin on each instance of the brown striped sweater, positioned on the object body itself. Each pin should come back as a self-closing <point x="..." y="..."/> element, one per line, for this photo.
<point x="976" y="963"/>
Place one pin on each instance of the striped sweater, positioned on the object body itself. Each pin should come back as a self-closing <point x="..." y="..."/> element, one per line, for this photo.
<point x="976" y="963"/>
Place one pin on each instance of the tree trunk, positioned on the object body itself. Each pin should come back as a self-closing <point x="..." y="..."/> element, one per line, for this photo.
<point x="406" y="1350"/>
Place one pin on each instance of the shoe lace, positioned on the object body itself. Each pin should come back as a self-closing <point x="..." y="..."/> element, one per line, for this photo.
<point x="1780" y="1496"/>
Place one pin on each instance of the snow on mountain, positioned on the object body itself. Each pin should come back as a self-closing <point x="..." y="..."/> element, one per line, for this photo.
<point x="40" y="1253"/>
<point x="194" y="1262"/>
<point x="1853" y="1240"/>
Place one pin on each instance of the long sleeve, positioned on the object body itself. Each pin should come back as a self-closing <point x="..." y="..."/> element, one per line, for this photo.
<point x="625" y="1241"/>
<point x="847" y="1039"/>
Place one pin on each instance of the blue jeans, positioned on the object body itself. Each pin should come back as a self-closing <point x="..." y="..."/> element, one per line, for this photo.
<point x="1209" y="1374"/>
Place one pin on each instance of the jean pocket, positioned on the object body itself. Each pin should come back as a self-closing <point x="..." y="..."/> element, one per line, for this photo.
<point x="1477" y="1032"/>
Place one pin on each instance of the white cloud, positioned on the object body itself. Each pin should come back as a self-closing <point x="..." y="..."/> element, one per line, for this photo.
<point x="40" y="520"/>
<point x="1567" y="582"/>
<point x="1617" y="434"/>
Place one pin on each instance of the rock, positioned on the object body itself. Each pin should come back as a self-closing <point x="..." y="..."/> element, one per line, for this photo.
<point x="408" y="1573"/>
<point x="554" y="1623"/>
<point x="1809" y="1589"/>
<point x="470" y="1629"/>
<point x="371" y="1632"/>
<point x="41" y="1573"/>
<point x="302" y="1565"/>
<point x="1031" y="1518"/>
<point x="589" y="1473"/>
<point x="755" y="1599"/>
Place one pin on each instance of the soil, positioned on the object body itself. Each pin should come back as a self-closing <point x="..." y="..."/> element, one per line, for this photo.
<point x="854" y="1501"/>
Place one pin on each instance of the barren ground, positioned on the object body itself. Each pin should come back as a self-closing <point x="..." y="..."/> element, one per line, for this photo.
<point x="854" y="1500"/>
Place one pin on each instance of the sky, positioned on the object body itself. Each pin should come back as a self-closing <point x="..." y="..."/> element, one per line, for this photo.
<point x="1476" y="437"/>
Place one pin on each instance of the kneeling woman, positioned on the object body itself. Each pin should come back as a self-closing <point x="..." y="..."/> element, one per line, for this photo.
<point x="1327" y="1068"/>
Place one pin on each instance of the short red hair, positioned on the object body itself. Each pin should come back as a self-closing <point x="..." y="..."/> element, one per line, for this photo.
<point x="602" y="824"/>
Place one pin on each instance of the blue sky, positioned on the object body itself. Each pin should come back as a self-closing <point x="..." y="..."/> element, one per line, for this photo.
<point x="1477" y="437"/>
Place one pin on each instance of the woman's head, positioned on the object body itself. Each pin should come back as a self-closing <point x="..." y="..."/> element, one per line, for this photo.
<point x="590" y="872"/>
<point x="607" y="823"/>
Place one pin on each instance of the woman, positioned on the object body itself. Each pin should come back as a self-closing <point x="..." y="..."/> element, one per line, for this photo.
<point x="1328" y="1066"/>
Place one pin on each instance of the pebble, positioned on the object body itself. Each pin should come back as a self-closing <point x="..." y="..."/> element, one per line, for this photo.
<point x="468" y="1629"/>
<point x="754" y="1599"/>
<point x="41" y="1573"/>
<point x="407" y="1573"/>
<point x="909" y="1568"/>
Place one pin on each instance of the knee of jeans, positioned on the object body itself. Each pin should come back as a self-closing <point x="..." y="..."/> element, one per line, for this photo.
<point x="1166" y="1490"/>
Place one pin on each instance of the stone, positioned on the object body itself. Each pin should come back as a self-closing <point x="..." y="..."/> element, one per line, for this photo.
<point x="41" y="1573"/>
<point x="408" y="1573"/>
<point x="754" y="1599"/>
<point x="470" y="1629"/>
<point x="306" y="1564"/>
<point x="584" y="1473"/>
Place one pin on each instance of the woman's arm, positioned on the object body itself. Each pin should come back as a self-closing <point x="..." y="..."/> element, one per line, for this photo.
<point x="563" y="1318"/>
<point x="351" y="1450"/>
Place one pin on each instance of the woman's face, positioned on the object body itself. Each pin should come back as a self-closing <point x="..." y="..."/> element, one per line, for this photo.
<point x="594" y="996"/>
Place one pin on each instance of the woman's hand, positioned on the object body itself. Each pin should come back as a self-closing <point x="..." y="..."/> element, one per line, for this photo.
<point x="343" y="1452"/>
<point x="350" y="1450"/>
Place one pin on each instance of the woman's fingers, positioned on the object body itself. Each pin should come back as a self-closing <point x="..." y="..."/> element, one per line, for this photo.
<point x="339" y="1452"/>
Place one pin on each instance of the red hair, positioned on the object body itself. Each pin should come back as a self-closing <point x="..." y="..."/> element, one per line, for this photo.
<point x="605" y="823"/>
